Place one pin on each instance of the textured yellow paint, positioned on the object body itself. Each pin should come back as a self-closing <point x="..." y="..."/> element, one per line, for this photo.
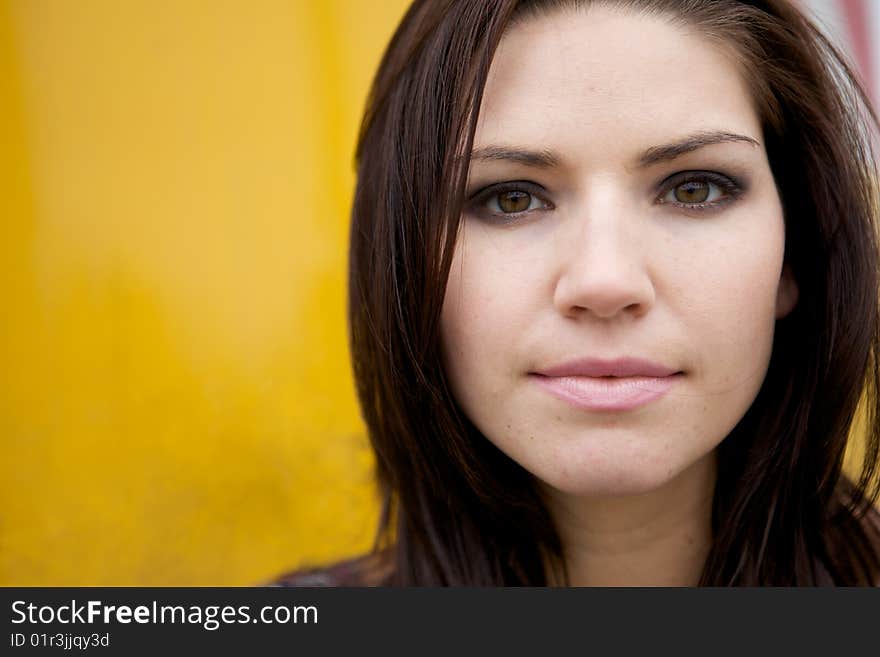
<point x="176" y="404"/>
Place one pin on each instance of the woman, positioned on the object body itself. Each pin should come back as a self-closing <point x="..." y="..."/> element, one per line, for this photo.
<point x="614" y="298"/>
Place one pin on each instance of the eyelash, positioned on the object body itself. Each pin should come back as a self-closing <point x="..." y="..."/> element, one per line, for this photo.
<point x="730" y="188"/>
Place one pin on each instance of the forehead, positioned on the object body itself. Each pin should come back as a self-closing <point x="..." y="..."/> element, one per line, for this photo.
<point x="602" y="78"/>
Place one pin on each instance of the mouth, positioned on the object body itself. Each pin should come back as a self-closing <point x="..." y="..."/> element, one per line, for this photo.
<point x="608" y="385"/>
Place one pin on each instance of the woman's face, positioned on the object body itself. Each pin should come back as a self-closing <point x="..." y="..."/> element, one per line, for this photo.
<point x="618" y="273"/>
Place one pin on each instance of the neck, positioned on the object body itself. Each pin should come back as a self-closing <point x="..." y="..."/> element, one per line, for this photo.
<point x="657" y="538"/>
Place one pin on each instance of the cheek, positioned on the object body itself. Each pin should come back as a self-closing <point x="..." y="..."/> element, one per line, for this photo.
<point x="491" y="301"/>
<point x="727" y="302"/>
<point x="486" y="297"/>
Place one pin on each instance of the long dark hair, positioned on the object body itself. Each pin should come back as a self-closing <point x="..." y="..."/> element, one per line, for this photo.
<point x="458" y="511"/>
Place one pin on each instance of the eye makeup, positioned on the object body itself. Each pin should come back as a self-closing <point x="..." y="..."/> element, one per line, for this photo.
<point x="730" y="189"/>
<point x="488" y="202"/>
<point x="480" y="203"/>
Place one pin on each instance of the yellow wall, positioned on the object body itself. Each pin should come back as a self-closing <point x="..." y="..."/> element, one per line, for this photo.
<point x="176" y="405"/>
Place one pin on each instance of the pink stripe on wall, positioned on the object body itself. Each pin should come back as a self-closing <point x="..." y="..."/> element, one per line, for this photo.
<point x="858" y="27"/>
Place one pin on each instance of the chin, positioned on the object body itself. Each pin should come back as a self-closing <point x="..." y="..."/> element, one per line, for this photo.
<point x="622" y="485"/>
<point x="615" y="478"/>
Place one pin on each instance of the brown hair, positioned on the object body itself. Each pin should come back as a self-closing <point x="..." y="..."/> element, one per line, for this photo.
<point x="458" y="511"/>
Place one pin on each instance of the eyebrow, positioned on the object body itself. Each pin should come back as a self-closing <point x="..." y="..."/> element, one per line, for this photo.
<point x="546" y="159"/>
<point x="691" y="143"/>
<point x="543" y="159"/>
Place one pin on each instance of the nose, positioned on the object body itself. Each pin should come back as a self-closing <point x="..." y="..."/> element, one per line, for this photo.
<point x="605" y="273"/>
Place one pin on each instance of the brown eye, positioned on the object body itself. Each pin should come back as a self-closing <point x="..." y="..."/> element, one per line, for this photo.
<point x="509" y="202"/>
<point x="700" y="191"/>
<point x="693" y="191"/>
<point x="514" y="201"/>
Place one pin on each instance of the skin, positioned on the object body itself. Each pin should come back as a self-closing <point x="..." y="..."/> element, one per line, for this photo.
<point x="607" y="261"/>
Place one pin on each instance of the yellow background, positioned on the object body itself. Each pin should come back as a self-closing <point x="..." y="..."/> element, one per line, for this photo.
<point x="176" y="403"/>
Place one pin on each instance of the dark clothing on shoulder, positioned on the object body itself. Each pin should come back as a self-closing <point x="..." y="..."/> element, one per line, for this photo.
<point x="368" y="570"/>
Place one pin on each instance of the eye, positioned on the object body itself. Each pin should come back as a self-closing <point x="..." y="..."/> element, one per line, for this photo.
<point x="514" y="200"/>
<point x="699" y="190"/>
<point x="695" y="191"/>
<point x="508" y="201"/>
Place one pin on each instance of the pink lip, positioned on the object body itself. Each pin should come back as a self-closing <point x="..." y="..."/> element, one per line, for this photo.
<point x="607" y="385"/>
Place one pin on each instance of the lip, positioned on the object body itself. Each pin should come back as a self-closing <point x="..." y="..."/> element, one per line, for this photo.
<point x="622" y="384"/>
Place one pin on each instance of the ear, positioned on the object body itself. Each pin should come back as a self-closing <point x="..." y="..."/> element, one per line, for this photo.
<point x="787" y="293"/>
